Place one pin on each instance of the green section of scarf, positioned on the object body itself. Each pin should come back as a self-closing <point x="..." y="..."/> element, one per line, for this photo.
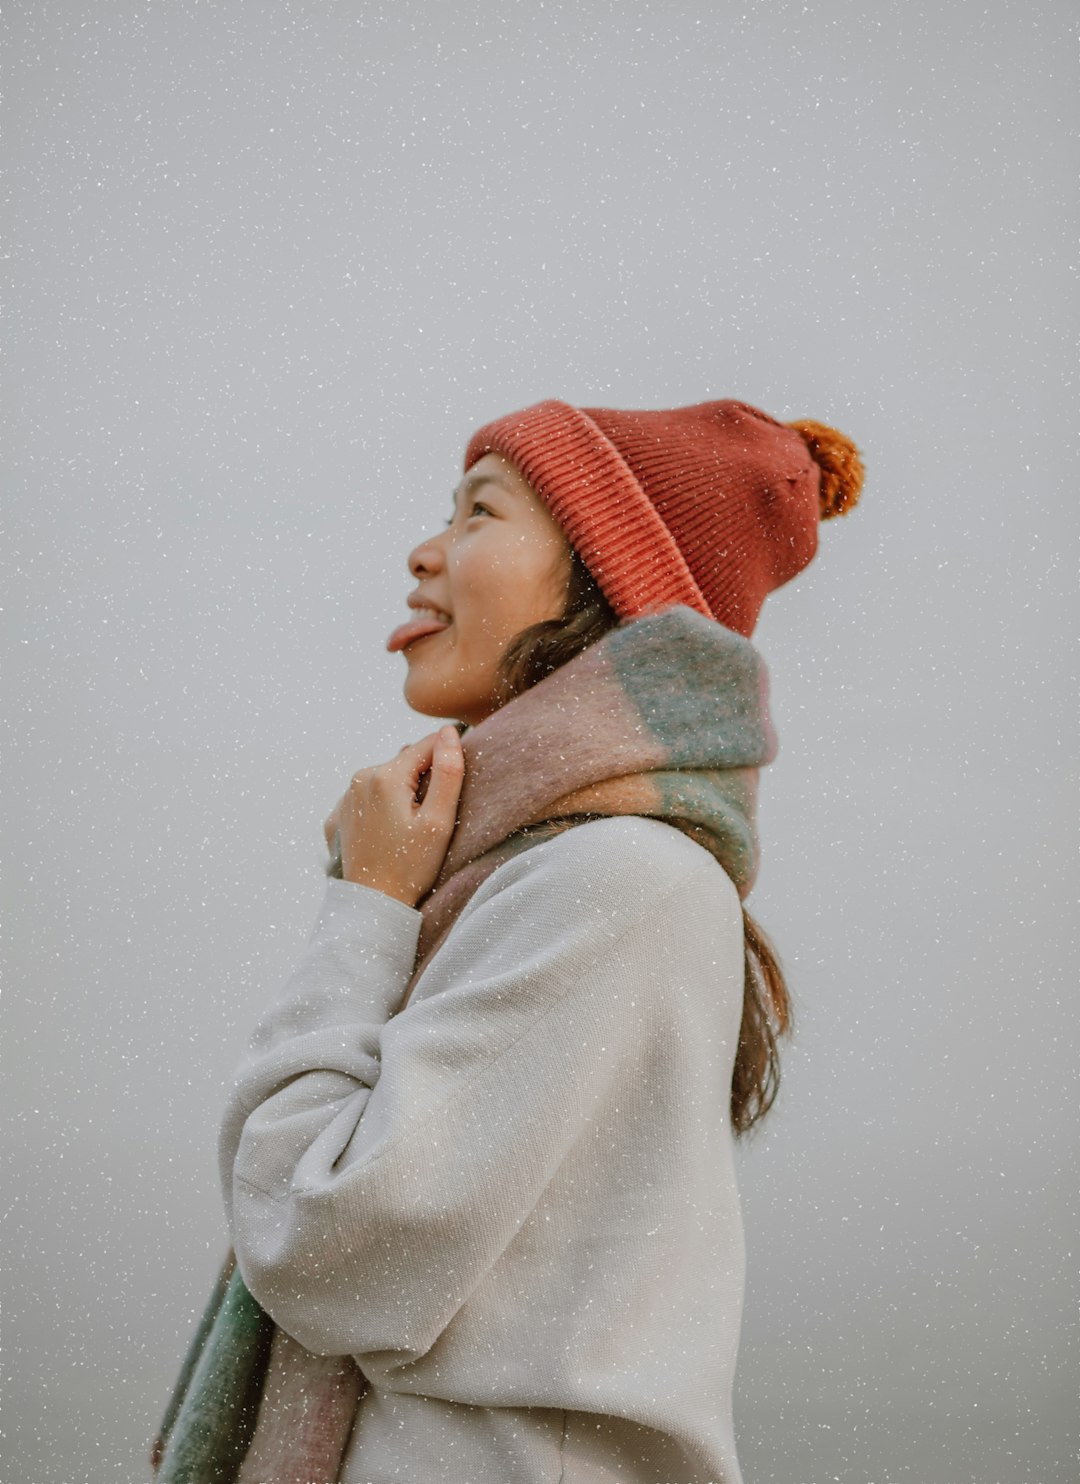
<point x="667" y="716"/>
<point x="212" y="1414"/>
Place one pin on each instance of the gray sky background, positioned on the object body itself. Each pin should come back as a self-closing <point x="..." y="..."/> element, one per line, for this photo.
<point x="271" y="265"/>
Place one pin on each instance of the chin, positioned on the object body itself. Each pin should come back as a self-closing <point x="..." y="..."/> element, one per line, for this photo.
<point x="428" y="702"/>
<point x="423" y="707"/>
<point x="451" y="700"/>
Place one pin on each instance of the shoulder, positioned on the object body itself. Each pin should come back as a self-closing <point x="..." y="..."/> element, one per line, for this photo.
<point x="610" y="902"/>
<point x="619" y="869"/>
<point x="632" y="845"/>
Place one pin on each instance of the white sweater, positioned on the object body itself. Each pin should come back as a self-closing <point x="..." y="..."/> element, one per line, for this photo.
<point x="514" y="1203"/>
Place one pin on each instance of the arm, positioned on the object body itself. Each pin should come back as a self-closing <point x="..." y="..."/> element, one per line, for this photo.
<point x="319" y="1043"/>
<point x="375" y="1169"/>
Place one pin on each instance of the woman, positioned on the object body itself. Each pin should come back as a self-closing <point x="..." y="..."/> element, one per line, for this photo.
<point x="477" y="1161"/>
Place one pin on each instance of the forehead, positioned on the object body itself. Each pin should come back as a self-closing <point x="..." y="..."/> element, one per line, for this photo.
<point x="492" y="467"/>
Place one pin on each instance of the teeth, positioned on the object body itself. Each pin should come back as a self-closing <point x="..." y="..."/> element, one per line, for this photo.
<point x="432" y="613"/>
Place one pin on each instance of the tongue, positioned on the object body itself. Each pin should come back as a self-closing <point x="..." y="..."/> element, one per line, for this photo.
<point x="410" y="631"/>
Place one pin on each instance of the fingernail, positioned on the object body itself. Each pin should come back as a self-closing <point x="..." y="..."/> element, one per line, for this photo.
<point x="449" y="734"/>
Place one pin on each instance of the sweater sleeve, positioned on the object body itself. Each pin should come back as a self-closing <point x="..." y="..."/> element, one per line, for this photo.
<point x="375" y="1165"/>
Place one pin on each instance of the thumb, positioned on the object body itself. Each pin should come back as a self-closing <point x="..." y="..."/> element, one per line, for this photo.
<point x="447" y="773"/>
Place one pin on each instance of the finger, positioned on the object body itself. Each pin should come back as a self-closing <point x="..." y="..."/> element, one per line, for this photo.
<point x="415" y="759"/>
<point x="447" y="776"/>
<point x="423" y="745"/>
<point x="424" y="741"/>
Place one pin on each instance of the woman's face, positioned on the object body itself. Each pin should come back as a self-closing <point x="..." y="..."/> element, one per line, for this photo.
<point x="501" y="564"/>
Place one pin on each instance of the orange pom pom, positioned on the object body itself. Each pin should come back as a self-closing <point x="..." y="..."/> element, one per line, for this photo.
<point x="841" y="466"/>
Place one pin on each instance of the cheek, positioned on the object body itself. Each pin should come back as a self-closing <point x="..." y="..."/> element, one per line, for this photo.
<point x="507" y="591"/>
<point x="548" y="584"/>
<point x="481" y="616"/>
<point x="527" y="597"/>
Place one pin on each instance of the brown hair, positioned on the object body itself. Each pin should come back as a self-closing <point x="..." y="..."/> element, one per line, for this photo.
<point x="767" y="1014"/>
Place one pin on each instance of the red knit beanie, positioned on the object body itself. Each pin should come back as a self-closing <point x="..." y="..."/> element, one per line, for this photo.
<point x="713" y="505"/>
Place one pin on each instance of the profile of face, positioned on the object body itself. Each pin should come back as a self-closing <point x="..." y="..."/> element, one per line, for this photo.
<point x="501" y="563"/>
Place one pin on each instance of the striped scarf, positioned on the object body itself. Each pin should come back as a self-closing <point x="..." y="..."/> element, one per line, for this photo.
<point x="667" y="716"/>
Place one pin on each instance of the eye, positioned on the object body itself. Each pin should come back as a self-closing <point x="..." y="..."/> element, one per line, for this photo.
<point x="476" y="505"/>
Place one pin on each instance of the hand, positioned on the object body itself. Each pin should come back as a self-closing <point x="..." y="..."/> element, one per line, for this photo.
<point x="394" y="835"/>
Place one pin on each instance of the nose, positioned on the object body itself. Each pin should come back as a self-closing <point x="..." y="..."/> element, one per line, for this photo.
<point x="426" y="558"/>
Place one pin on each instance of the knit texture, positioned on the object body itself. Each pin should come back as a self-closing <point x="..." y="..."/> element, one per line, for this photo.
<point x="665" y="716"/>
<point x="712" y="506"/>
